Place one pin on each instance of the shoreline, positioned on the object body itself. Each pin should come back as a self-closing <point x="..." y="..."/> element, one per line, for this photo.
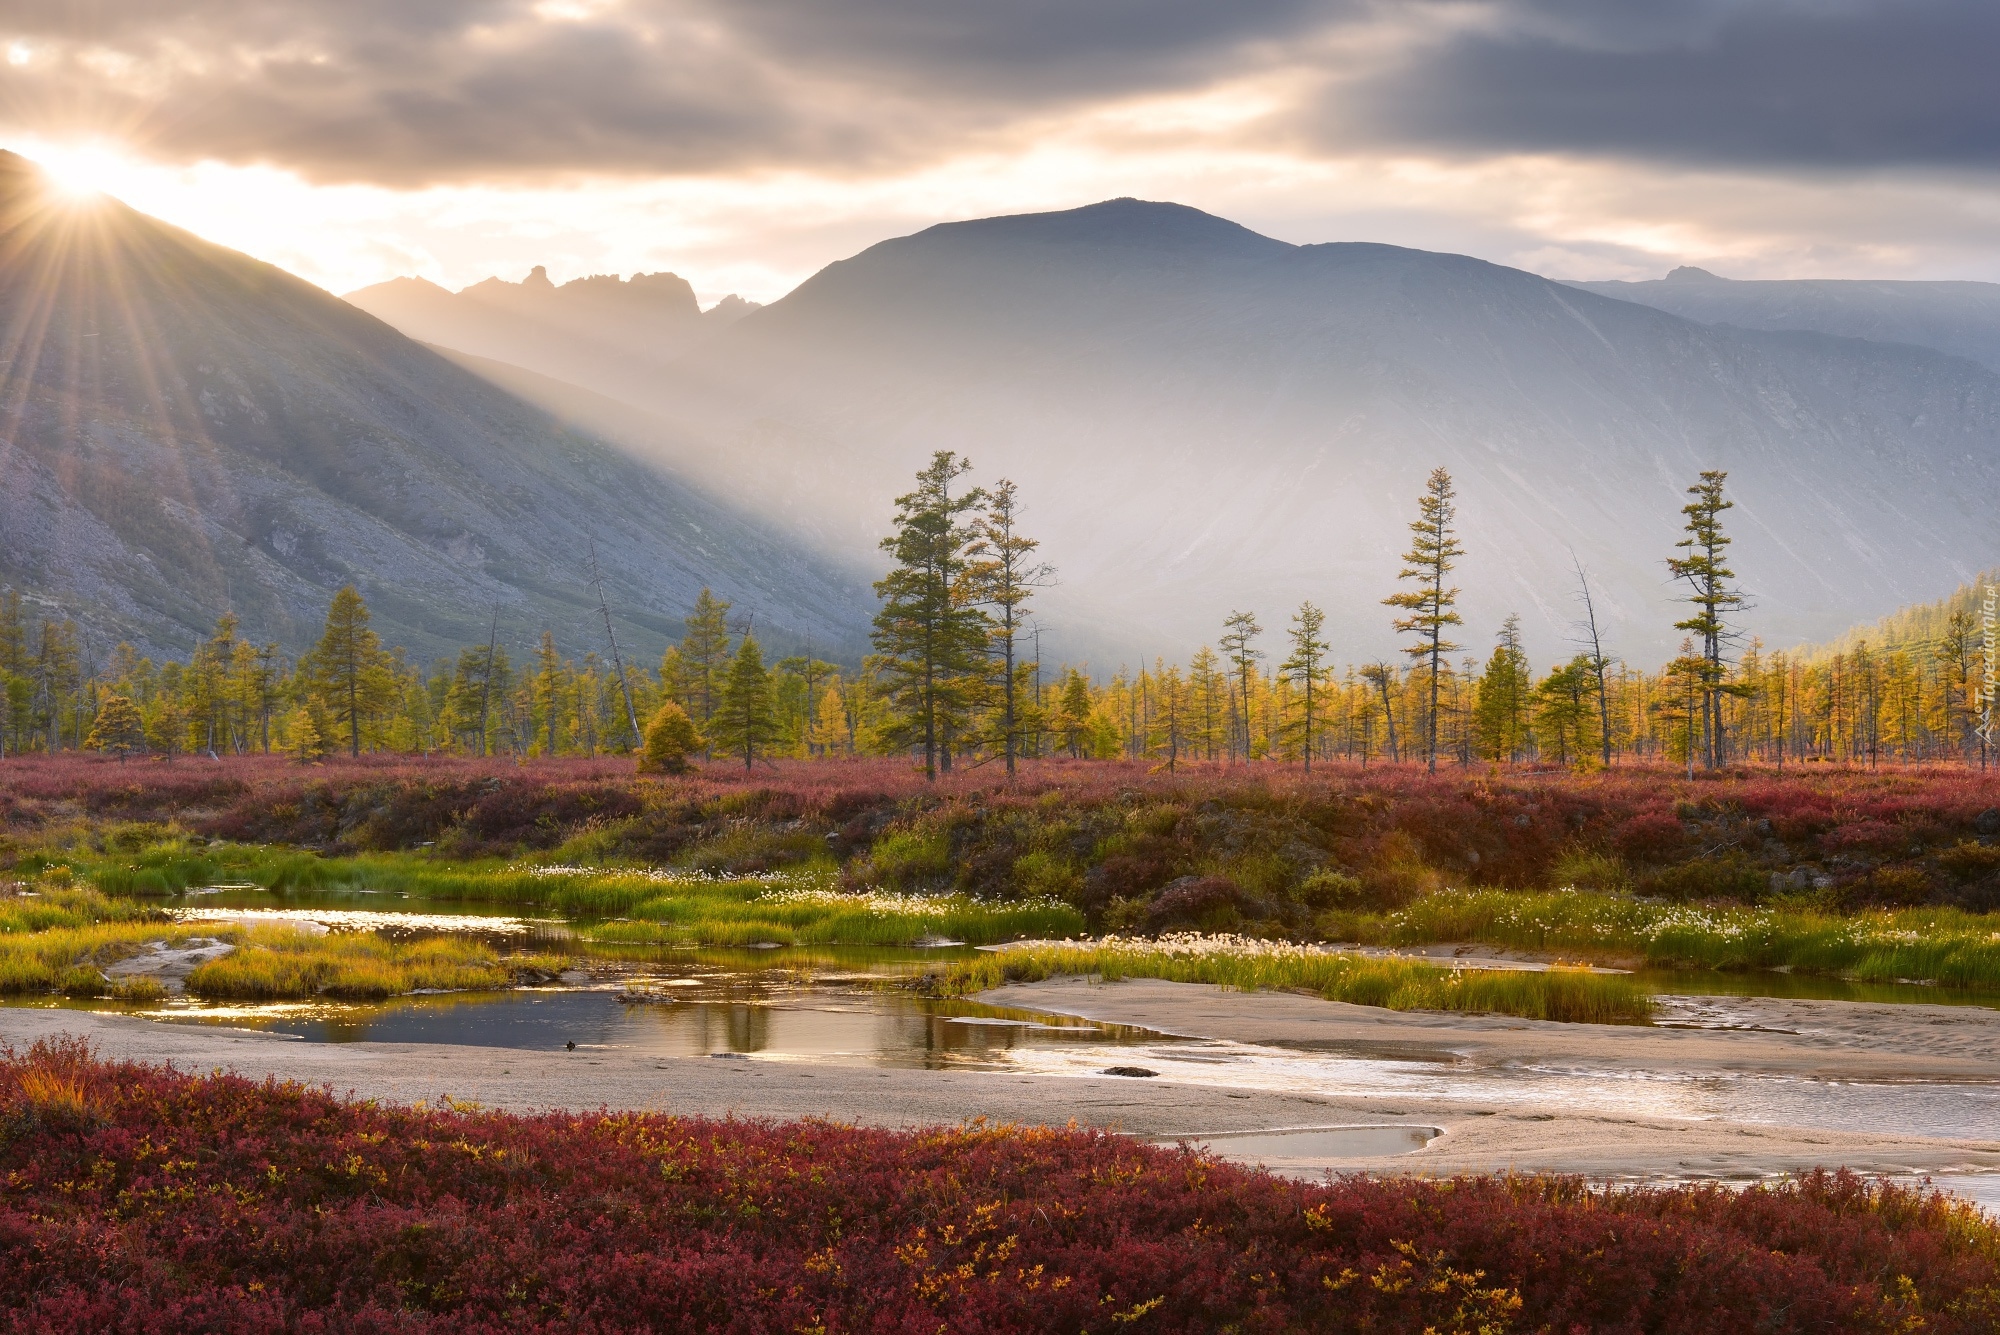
<point x="1840" y="1041"/>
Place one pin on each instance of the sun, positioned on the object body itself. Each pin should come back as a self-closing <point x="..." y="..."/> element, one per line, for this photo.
<point x="82" y="173"/>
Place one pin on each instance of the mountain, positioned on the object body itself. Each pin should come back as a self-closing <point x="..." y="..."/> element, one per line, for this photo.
<point x="1202" y="418"/>
<point x="602" y="333"/>
<point x="1962" y="319"/>
<point x="185" y="430"/>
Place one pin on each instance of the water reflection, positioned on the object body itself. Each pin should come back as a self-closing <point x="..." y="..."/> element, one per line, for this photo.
<point x="766" y="1016"/>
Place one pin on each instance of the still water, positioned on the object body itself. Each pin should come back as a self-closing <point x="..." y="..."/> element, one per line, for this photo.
<point x="830" y="1005"/>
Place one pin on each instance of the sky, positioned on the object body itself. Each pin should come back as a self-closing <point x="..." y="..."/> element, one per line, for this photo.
<point x="746" y="143"/>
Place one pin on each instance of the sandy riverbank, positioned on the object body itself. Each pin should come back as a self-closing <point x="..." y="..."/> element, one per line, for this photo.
<point x="1816" y="1040"/>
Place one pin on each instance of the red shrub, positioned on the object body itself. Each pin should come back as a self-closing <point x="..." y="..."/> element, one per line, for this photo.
<point x="1124" y="830"/>
<point x="1654" y="837"/>
<point x="137" y="1199"/>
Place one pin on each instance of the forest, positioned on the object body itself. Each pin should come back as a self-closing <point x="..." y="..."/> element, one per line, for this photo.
<point x="957" y="679"/>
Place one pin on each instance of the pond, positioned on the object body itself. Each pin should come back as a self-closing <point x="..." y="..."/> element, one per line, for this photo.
<point x="828" y="1004"/>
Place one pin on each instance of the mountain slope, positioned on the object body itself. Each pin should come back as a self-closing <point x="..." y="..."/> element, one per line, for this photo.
<point x="1962" y="319"/>
<point x="1202" y="418"/>
<point x="184" y="429"/>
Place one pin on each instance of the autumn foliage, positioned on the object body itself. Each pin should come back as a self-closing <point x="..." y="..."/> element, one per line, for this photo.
<point x="136" y="1199"/>
<point x="1099" y="833"/>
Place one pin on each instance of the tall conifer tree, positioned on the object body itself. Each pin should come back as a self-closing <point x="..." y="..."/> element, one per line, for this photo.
<point x="1500" y="708"/>
<point x="930" y="635"/>
<point x="1305" y="668"/>
<point x="1434" y="550"/>
<point x="1006" y="574"/>
<point x="1239" y="637"/>
<point x="348" y="669"/>
<point x="1706" y="573"/>
<point x="745" y="723"/>
<point x="704" y="656"/>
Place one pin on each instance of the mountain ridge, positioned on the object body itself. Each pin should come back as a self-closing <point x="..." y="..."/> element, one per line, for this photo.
<point x="1202" y="418"/>
<point x="1958" y="317"/>
<point x="189" y="430"/>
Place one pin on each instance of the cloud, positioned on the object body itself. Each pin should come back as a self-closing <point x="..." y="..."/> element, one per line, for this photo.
<point x="1790" y="84"/>
<point x="408" y="92"/>
<point x="419" y="91"/>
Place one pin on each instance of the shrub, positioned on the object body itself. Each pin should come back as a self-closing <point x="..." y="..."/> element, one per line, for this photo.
<point x="913" y="860"/>
<point x="670" y="739"/>
<point x="1970" y="861"/>
<point x="172" y="1202"/>
<point x="1208" y="903"/>
<point x="1709" y="878"/>
<point x="1045" y="875"/>
<point x="1586" y="869"/>
<point x="1892" y="887"/>
<point x="1331" y="889"/>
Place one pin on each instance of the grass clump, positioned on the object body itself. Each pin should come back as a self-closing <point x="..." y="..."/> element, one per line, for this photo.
<point x="1247" y="964"/>
<point x="1933" y="945"/>
<point x="748" y="912"/>
<point x="286" y="964"/>
<point x="59" y="938"/>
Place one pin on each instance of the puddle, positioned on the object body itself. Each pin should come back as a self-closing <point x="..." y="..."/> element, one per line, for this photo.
<point x="1313" y="1142"/>
<point x="702" y="1015"/>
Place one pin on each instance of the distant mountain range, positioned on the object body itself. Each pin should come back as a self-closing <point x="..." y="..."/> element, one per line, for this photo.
<point x="185" y="430"/>
<point x="1202" y="418"/>
<point x="600" y="333"/>
<point x="1962" y="319"/>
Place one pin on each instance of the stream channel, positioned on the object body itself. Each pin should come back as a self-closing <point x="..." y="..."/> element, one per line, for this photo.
<point x="829" y="1004"/>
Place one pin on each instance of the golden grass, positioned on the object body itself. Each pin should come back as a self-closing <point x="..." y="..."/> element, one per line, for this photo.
<point x="61" y="940"/>
<point x="287" y="964"/>
<point x="1571" y="995"/>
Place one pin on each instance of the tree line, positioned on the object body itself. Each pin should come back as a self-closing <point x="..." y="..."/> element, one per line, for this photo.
<point x="956" y="678"/>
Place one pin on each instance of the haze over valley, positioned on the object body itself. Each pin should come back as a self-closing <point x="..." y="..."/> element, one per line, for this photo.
<point x="1203" y="418"/>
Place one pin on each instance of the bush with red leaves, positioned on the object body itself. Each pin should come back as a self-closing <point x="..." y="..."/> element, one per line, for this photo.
<point x="1102" y="830"/>
<point x="136" y="1199"/>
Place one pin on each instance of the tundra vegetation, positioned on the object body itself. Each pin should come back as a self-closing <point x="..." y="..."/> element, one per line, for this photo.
<point x="133" y="1197"/>
<point x="1891" y="875"/>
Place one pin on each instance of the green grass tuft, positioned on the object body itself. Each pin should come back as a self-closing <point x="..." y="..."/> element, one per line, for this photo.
<point x="1571" y="995"/>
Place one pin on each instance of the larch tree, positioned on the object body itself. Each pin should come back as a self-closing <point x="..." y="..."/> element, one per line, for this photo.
<point x="1073" y="713"/>
<point x="1005" y="573"/>
<point x="120" y="729"/>
<point x="810" y="673"/>
<point x="1712" y="597"/>
<point x="930" y="634"/>
<point x="1208" y="685"/>
<point x="1500" y="704"/>
<point x="1239" y="638"/>
<point x="1434" y="551"/>
<point x="550" y="687"/>
<point x="348" y="669"/>
<point x="670" y="740"/>
<point x="704" y="656"/>
<point x="1305" y="668"/>
<point x="745" y="722"/>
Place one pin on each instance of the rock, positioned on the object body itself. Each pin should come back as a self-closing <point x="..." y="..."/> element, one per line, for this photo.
<point x="1135" y="1072"/>
<point x="1987" y="821"/>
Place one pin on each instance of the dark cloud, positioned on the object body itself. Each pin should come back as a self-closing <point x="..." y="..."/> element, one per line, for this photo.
<point x="1786" y="83"/>
<point x="406" y="92"/>
<point x="409" y="91"/>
